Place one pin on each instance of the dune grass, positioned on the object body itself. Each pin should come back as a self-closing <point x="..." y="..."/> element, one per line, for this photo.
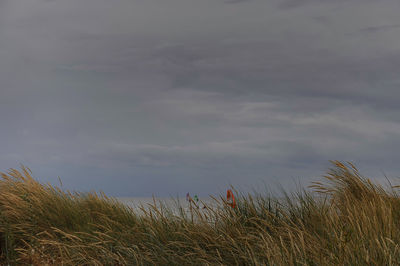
<point x="345" y="220"/>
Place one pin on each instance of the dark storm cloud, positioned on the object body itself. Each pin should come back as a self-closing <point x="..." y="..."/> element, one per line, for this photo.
<point x="136" y="97"/>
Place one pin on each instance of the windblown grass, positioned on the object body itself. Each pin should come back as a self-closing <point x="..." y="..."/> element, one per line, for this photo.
<point x="347" y="220"/>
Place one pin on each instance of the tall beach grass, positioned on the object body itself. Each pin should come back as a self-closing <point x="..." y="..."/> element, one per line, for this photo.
<point x="344" y="220"/>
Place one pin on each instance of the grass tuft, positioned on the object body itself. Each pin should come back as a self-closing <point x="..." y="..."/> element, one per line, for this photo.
<point x="344" y="220"/>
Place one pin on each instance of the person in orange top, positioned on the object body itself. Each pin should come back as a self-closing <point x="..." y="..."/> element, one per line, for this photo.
<point x="230" y="198"/>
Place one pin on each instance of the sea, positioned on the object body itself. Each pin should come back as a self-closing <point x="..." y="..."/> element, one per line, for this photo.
<point x="174" y="204"/>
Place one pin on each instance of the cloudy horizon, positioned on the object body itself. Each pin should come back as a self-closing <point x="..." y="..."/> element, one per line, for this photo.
<point x="163" y="97"/>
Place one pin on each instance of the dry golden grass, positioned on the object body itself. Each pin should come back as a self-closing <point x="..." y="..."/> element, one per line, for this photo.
<point x="347" y="220"/>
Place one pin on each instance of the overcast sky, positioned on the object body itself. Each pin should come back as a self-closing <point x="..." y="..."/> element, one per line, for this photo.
<point x="135" y="97"/>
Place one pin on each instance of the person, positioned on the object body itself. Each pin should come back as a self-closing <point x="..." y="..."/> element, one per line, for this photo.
<point x="188" y="197"/>
<point x="230" y="199"/>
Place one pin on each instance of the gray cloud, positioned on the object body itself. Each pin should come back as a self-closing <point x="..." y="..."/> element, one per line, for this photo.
<point x="373" y="29"/>
<point x="235" y="1"/>
<point x="293" y="3"/>
<point x="147" y="97"/>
